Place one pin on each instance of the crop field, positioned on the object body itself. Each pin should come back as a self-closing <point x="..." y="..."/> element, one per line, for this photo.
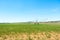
<point x="43" y="31"/>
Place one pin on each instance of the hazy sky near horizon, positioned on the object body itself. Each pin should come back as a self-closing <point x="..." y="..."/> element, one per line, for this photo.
<point x="29" y="10"/>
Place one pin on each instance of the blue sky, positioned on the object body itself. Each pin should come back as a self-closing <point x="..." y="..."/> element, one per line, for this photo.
<point x="29" y="10"/>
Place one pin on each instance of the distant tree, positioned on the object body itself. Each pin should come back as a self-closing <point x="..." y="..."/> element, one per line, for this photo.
<point x="36" y="22"/>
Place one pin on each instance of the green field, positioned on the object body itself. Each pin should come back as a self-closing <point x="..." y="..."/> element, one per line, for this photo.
<point x="7" y="28"/>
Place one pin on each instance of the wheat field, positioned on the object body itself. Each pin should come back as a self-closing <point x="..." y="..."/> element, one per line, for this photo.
<point x="32" y="36"/>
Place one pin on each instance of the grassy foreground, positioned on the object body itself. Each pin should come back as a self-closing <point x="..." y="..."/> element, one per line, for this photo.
<point x="48" y="31"/>
<point x="29" y="28"/>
